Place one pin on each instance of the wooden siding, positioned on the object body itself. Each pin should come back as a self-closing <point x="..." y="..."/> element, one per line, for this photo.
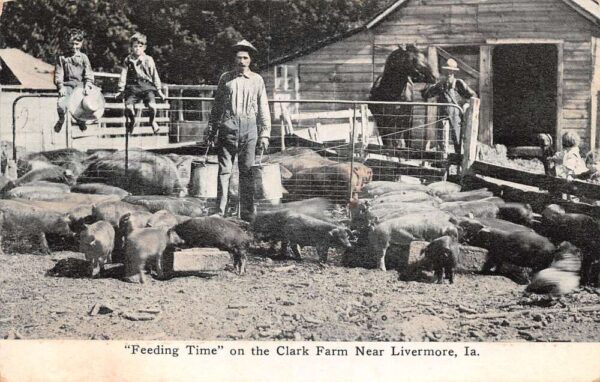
<point x="448" y="23"/>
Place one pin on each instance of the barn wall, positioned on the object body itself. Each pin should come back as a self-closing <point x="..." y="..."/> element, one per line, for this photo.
<point x="449" y="23"/>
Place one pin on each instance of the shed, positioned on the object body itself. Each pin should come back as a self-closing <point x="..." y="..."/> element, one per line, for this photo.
<point x="21" y="70"/>
<point x="534" y="63"/>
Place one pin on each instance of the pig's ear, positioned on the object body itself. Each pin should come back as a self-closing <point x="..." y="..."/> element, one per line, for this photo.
<point x="471" y="216"/>
<point x="485" y="229"/>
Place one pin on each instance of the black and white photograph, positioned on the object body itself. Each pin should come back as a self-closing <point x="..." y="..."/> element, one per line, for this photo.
<point x="303" y="180"/>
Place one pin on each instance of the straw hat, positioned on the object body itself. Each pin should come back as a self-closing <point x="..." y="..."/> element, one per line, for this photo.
<point x="88" y="107"/>
<point x="244" y="45"/>
<point x="451" y="64"/>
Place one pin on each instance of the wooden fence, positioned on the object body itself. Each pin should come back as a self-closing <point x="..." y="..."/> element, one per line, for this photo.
<point x="538" y="190"/>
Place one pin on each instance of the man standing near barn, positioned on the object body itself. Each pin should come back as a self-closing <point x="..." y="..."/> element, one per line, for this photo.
<point x="450" y="89"/>
<point x="239" y="118"/>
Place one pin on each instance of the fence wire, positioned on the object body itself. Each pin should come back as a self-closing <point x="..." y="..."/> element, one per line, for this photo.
<point x="324" y="148"/>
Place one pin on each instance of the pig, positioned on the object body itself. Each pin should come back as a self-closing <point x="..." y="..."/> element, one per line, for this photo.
<point x="53" y="173"/>
<point x="113" y="211"/>
<point x="580" y="229"/>
<point x="146" y="246"/>
<point x="562" y="277"/>
<point x="381" y="187"/>
<point x="214" y="231"/>
<point x="441" y="255"/>
<point x="426" y="226"/>
<point x="298" y="158"/>
<point x="96" y="241"/>
<point x="521" y="248"/>
<point x="332" y="178"/>
<point x="162" y="218"/>
<point x="444" y="188"/>
<point x="303" y="230"/>
<point x="268" y="225"/>
<point x="188" y="206"/>
<point x="519" y="213"/>
<point x="34" y="193"/>
<point x="468" y="227"/>
<point x="99" y="188"/>
<point x="480" y="208"/>
<point x="27" y="219"/>
<point x="415" y="196"/>
<point x="127" y="224"/>
<point x="466" y="196"/>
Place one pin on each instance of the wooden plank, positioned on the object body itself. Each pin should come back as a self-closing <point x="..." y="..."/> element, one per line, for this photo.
<point x="469" y="145"/>
<point x="594" y="87"/>
<point x="432" y="111"/>
<point x="486" y="128"/>
<point x="552" y="184"/>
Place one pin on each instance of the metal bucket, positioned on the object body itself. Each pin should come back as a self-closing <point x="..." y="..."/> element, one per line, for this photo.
<point x="204" y="178"/>
<point x="267" y="183"/>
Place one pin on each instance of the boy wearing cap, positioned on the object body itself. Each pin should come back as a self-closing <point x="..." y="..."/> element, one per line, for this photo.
<point x="450" y="89"/>
<point x="139" y="81"/>
<point x="239" y="121"/>
<point x="72" y="71"/>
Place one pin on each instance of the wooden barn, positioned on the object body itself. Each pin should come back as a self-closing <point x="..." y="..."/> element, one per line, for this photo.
<point x="532" y="62"/>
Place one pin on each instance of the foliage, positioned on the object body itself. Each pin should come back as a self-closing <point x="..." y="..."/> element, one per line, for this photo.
<point x="189" y="39"/>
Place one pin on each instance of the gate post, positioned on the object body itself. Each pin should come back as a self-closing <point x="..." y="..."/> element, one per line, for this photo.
<point x="469" y="143"/>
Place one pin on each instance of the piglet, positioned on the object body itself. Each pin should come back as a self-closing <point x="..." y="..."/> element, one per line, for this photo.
<point x="96" y="241"/>
<point x="304" y="230"/>
<point x="147" y="245"/>
<point x="440" y="255"/>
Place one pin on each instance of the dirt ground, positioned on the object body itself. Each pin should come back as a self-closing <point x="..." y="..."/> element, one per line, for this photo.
<point x="283" y="300"/>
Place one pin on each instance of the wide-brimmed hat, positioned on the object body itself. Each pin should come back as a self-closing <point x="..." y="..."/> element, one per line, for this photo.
<point x="244" y="45"/>
<point x="451" y="64"/>
<point x="89" y="107"/>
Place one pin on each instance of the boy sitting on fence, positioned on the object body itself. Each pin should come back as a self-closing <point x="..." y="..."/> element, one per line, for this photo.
<point x="568" y="161"/>
<point x="72" y="71"/>
<point x="139" y="81"/>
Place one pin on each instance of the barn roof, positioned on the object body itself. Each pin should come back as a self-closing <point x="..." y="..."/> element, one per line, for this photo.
<point x="29" y="72"/>
<point x="590" y="9"/>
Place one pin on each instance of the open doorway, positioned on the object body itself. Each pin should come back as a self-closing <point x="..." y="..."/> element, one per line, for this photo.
<point x="525" y="91"/>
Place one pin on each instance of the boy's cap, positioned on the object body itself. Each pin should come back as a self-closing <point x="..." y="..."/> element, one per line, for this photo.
<point x="138" y="37"/>
<point x="244" y="45"/>
<point x="76" y="34"/>
<point x="89" y="107"/>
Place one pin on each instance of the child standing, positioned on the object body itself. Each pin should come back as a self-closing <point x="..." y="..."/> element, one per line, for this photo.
<point x="568" y="162"/>
<point x="72" y="71"/>
<point x="139" y="81"/>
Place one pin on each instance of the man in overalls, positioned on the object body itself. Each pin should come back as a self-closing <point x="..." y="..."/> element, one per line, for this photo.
<point x="450" y="89"/>
<point x="239" y="121"/>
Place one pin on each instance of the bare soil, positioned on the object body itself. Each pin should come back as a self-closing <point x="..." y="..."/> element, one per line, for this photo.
<point x="282" y="300"/>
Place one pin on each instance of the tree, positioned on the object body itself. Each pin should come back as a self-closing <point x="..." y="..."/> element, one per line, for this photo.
<point x="189" y="39"/>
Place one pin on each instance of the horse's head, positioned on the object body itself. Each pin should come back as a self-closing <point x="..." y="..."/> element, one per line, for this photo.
<point x="408" y="61"/>
<point x="418" y="65"/>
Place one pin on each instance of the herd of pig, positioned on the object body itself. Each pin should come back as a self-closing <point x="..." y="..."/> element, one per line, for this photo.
<point x="88" y="200"/>
<point x="396" y="213"/>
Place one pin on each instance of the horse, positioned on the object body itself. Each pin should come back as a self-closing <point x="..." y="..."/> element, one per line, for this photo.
<point x="402" y="67"/>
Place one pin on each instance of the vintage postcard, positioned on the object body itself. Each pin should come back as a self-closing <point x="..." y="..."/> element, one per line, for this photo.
<point x="309" y="190"/>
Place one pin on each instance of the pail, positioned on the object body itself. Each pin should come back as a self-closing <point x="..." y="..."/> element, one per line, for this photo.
<point x="204" y="178"/>
<point x="267" y="182"/>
